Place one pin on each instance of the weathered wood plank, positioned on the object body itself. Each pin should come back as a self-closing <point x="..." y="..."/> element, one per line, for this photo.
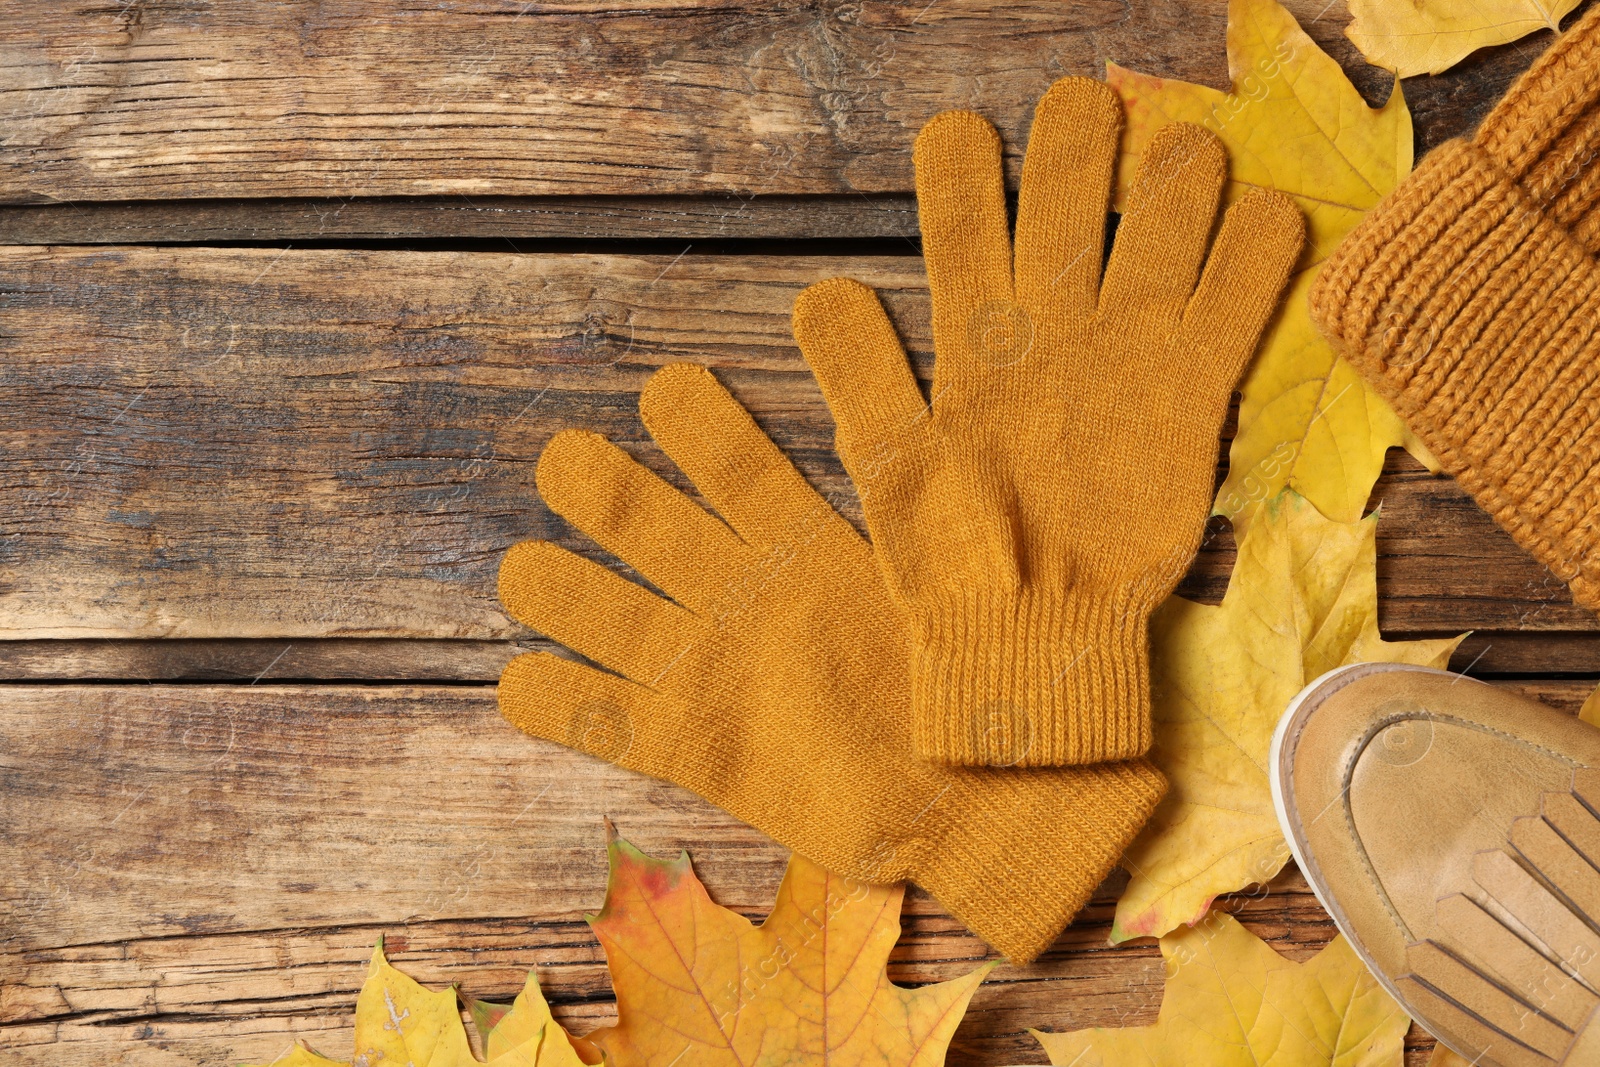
<point x="236" y="443"/>
<point x="457" y="217"/>
<point x="246" y="660"/>
<point x="1533" y="653"/>
<point x="418" y="815"/>
<point x="155" y="100"/>
<point x="192" y="874"/>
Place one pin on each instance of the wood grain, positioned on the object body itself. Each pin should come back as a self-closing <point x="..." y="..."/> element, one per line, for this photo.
<point x="256" y="660"/>
<point x="163" y="99"/>
<point x="462" y="219"/>
<point x="194" y="874"/>
<point x="286" y="444"/>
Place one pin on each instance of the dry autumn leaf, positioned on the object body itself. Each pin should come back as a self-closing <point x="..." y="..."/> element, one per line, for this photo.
<point x="398" y="1021"/>
<point x="1231" y="1000"/>
<point x="506" y="1027"/>
<point x="1302" y="600"/>
<point x="1292" y="122"/>
<point x="1590" y="712"/>
<point x="695" y="983"/>
<point x="699" y="984"/>
<point x="1429" y="36"/>
<point x="1443" y="1057"/>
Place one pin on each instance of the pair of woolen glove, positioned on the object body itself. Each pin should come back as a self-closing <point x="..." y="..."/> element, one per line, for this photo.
<point x="964" y="702"/>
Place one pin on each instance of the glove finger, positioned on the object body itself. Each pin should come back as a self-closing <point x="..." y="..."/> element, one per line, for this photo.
<point x="1066" y="191"/>
<point x="1258" y="245"/>
<point x="579" y="707"/>
<point x="639" y="518"/>
<point x="961" y="206"/>
<point x="1162" y="237"/>
<point x="621" y="626"/>
<point x="852" y="349"/>
<point x="736" y="467"/>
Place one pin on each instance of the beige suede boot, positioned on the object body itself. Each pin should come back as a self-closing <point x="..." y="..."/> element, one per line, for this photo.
<point x="1450" y="828"/>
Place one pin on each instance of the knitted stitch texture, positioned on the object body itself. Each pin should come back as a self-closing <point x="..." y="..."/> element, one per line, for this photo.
<point x="1470" y="299"/>
<point x="1055" y="490"/>
<point x="774" y="683"/>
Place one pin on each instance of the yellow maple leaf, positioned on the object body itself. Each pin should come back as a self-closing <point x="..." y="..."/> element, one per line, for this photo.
<point x="1429" y="36"/>
<point x="699" y="984"/>
<point x="301" y="1056"/>
<point x="1231" y="1000"/>
<point x="1443" y="1057"/>
<point x="398" y="1021"/>
<point x="526" y="1024"/>
<point x="1292" y="122"/>
<point x="1302" y="600"/>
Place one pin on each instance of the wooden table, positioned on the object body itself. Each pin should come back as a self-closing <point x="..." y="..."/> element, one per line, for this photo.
<point x="291" y="296"/>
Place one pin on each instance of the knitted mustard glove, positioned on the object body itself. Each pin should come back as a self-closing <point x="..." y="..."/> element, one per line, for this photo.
<point x="773" y="682"/>
<point x="1055" y="490"/>
<point x="1470" y="299"/>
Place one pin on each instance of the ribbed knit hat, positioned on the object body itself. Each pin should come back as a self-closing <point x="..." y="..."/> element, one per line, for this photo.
<point x="1470" y="299"/>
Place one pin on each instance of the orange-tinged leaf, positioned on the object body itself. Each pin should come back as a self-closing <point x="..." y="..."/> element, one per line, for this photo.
<point x="1230" y="1000"/>
<point x="400" y="1022"/>
<point x="1429" y="36"/>
<point x="487" y="1016"/>
<point x="698" y="984"/>
<point x="1292" y="122"/>
<point x="1302" y="600"/>
<point x="524" y="1026"/>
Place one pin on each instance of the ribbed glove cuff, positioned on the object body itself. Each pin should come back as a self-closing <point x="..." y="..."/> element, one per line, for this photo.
<point x="1015" y="872"/>
<point x="1031" y="680"/>
<point x="1473" y="311"/>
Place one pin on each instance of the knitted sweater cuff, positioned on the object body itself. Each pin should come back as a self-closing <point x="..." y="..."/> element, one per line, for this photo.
<point x="1029" y="680"/>
<point x="1474" y="313"/>
<point x="1017" y="873"/>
